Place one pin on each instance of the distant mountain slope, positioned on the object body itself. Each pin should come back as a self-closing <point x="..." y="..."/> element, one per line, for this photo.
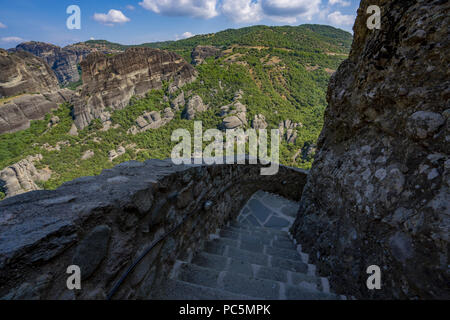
<point x="308" y="37"/>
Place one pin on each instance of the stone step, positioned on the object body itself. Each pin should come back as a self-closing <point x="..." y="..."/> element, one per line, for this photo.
<point x="220" y="263"/>
<point x="238" y="227"/>
<point x="257" y="246"/>
<point x="265" y="238"/>
<point x="219" y="248"/>
<point x="245" y="285"/>
<point x="180" y="290"/>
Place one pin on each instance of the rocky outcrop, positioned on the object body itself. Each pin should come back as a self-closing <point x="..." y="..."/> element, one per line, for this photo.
<point x="21" y="72"/>
<point x="63" y="61"/>
<point x="111" y="81"/>
<point x="113" y="154"/>
<point x="378" y="192"/>
<point x="16" y="114"/>
<point x="288" y="130"/>
<point x="22" y="176"/>
<point x="259" y="122"/>
<point x="235" y="114"/>
<point x="152" y="120"/>
<point x="105" y="224"/>
<point x="201" y="53"/>
<point x="194" y="106"/>
<point x="178" y="102"/>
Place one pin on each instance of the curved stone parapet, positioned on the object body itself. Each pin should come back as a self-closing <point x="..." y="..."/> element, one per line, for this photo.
<point x="104" y="224"/>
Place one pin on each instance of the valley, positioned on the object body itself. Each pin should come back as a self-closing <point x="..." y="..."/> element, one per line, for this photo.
<point x="279" y="73"/>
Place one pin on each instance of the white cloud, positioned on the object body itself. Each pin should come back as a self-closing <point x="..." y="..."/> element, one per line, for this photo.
<point x="184" y="35"/>
<point x="204" y="9"/>
<point x="91" y="38"/>
<point x="290" y="10"/>
<point x="339" y="19"/>
<point x="2" y="26"/>
<point x="339" y="2"/>
<point x="187" y="35"/>
<point x="241" y="11"/>
<point x="286" y="11"/>
<point x="112" y="17"/>
<point x="12" y="39"/>
<point x="130" y="7"/>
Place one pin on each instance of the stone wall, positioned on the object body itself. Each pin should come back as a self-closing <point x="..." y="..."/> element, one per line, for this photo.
<point x="378" y="192"/>
<point x="105" y="223"/>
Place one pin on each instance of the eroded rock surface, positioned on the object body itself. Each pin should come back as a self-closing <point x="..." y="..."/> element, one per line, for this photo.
<point x="259" y="122"/>
<point x="235" y="114"/>
<point x="17" y="113"/>
<point x="194" y="106"/>
<point x="152" y="120"/>
<point x="111" y="81"/>
<point x="201" y="53"/>
<point x="22" y="72"/>
<point x="378" y="193"/>
<point x="63" y="61"/>
<point x="288" y="130"/>
<point x="22" y="176"/>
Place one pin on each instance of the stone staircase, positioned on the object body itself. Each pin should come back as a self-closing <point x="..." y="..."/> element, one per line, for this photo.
<point x="253" y="258"/>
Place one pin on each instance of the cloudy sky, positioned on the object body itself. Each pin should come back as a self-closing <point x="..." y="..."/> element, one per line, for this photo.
<point x="139" y="21"/>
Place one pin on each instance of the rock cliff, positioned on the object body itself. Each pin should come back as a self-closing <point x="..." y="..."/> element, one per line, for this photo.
<point x="16" y="114"/>
<point x="63" y="61"/>
<point x="22" y="72"/>
<point x="200" y="53"/>
<point x="22" y="176"/>
<point x="111" y="81"/>
<point x="378" y="192"/>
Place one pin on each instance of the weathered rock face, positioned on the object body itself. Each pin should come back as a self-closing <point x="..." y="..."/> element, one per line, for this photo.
<point x="378" y="193"/>
<point x="288" y="130"/>
<point x="21" y="72"/>
<point x="235" y="114"/>
<point x="201" y="53"/>
<point x="193" y="107"/>
<point x="103" y="224"/>
<point x="17" y="113"/>
<point x="152" y="120"/>
<point x="63" y="61"/>
<point x="259" y="122"/>
<point x="22" y="176"/>
<point x="112" y="81"/>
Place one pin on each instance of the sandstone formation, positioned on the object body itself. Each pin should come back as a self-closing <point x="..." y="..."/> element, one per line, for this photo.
<point x="87" y="155"/>
<point x="22" y="176"/>
<point x="111" y="81"/>
<point x="16" y="114"/>
<point x="113" y="154"/>
<point x="259" y="122"/>
<point x="152" y="120"/>
<point x="235" y="114"/>
<point x="178" y="102"/>
<point x="201" y="53"/>
<point x="288" y="130"/>
<point x="63" y="61"/>
<point x="194" y="106"/>
<point x="378" y="192"/>
<point x="22" y="72"/>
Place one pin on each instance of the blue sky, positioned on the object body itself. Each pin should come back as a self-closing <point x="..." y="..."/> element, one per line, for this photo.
<point x="139" y="21"/>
